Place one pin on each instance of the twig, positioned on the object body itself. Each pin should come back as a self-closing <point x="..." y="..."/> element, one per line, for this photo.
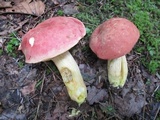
<point x="12" y="29"/>
<point x="52" y="72"/>
<point x="39" y="103"/>
<point x="155" y="90"/>
<point x="158" y="75"/>
<point x="118" y="116"/>
<point x="143" y="113"/>
<point x="156" y="113"/>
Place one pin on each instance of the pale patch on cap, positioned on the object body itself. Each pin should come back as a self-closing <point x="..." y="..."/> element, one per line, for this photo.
<point x="31" y="41"/>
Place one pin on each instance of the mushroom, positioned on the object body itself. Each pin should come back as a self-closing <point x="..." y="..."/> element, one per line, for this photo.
<point x="111" y="41"/>
<point x="51" y="40"/>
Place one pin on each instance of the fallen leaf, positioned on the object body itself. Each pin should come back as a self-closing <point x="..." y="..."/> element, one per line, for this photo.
<point x="56" y="2"/>
<point x="132" y="97"/>
<point x="155" y="107"/>
<point x="28" y="7"/>
<point x="4" y="4"/>
<point x="88" y="73"/>
<point x="129" y="105"/>
<point x="70" y="9"/>
<point x="17" y="1"/>
<point x="95" y="95"/>
<point x="28" y="88"/>
<point x="10" y="114"/>
<point x="60" y="112"/>
<point x="1" y="42"/>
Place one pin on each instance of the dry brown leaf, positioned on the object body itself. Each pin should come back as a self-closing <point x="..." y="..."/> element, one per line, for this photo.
<point x="28" y="7"/>
<point x="56" y="2"/>
<point x="4" y="4"/>
<point x="96" y="95"/>
<point x="70" y="9"/>
<point x="132" y="97"/>
<point x="15" y="2"/>
<point x="30" y="88"/>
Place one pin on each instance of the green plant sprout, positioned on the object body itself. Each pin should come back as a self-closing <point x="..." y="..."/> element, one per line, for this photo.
<point x="12" y="44"/>
<point x="74" y="112"/>
<point x="157" y="95"/>
<point x="39" y="82"/>
<point x="60" y="12"/>
<point x="1" y="51"/>
<point x="109" y="109"/>
<point x="20" y="64"/>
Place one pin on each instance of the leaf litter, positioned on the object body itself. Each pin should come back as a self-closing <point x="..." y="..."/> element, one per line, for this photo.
<point x="25" y="96"/>
<point x="30" y="88"/>
<point x="4" y="4"/>
<point x="133" y="98"/>
<point x="24" y="7"/>
<point x="95" y="95"/>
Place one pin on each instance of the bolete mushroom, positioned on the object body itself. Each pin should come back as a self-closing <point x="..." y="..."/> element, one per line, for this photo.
<point x="51" y="40"/>
<point x="112" y="40"/>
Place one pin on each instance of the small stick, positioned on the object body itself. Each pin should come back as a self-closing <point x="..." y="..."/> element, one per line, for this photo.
<point x="155" y="90"/>
<point x="156" y="113"/>
<point x="39" y="103"/>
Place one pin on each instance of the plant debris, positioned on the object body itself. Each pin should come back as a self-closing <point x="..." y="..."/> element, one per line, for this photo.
<point x="133" y="98"/>
<point x="24" y="7"/>
<point x="95" y="95"/>
<point x="70" y="9"/>
<point x="37" y="92"/>
<point x="28" y="88"/>
<point x="5" y="4"/>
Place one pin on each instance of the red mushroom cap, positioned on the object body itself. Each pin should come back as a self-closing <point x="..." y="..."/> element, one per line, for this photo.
<point x="51" y="38"/>
<point x="114" y="38"/>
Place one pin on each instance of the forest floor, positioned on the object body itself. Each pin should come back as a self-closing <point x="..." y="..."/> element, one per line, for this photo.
<point x="37" y="92"/>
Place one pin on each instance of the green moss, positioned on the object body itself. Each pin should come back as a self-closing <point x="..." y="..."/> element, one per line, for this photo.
<point x="145" y="14"/>
<point x="12" y="45"/>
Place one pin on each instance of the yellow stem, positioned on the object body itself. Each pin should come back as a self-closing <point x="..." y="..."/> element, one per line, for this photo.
<point x="71" y="76"/>
<point x="117" y="71"/>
